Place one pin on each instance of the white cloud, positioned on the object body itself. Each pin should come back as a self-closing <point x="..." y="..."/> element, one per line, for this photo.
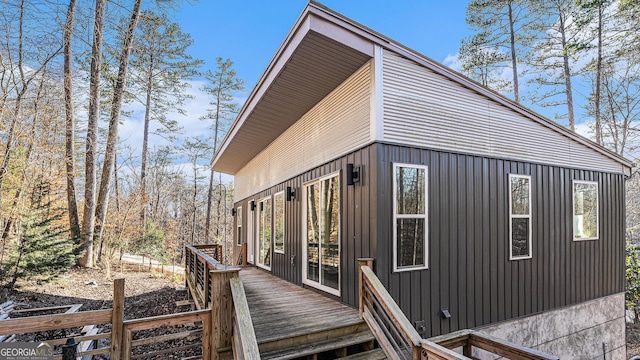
<point x="453" y="61"/>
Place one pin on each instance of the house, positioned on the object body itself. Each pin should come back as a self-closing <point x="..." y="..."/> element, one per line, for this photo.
<point x="478" y="212"/>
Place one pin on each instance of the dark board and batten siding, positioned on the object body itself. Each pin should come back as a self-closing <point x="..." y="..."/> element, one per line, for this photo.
<point x="469" y="268"/>
<point x="357" y="225"/>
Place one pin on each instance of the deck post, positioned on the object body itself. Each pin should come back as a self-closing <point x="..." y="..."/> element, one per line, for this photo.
<point x="362" y="262"/>
<point x="116" y="319"/>
<point x="221" y="310"/>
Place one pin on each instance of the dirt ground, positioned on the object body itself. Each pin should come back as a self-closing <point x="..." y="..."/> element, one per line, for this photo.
<point x="633" y="340"/>
<point x="147" y="293"/>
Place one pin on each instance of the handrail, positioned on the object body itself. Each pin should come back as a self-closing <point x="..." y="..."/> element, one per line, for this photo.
<point x="397" y="338"/>
<point x="244" y="336"/>
<point x="470" y="338"/>
<point x="213" y="250"/>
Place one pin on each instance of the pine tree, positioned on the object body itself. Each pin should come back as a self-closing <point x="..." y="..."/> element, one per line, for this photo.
<point x="502" y="31"/>
<point x="223" y="84"/>
<point x="160" y="66"/>
<point x="552" y="58"/>
<point x="43" y="247"/>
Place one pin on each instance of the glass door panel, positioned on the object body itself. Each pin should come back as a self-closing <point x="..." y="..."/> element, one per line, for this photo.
<point x="264" y="233"/>
<point x="313" y="232"/>
<point x="323" y="233"/>
<point x="330" y="253"/>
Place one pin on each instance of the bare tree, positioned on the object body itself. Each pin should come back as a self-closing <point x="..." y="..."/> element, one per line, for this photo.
<point x="88" y="218"/>
<point x="114" y="120"/>
<point x="72" y="204"/>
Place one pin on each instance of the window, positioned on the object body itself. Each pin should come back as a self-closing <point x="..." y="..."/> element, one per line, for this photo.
<point x="278" y="205"/>
<point x="239" y="226"/>
<point x="409" y="217"/>
<point x="585" y="210"/>
<point x="264" y="233"/>
<point x="520" y="216"/>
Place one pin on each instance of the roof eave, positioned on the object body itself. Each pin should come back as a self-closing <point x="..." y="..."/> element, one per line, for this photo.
<point x="320" y="12"/>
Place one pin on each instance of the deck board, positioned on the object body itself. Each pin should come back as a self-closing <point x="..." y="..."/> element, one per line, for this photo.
<point x="280" y="309"/>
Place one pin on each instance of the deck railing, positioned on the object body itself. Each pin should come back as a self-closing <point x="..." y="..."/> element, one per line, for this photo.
<point x="400" y="340"/>
<point x="218" y="287"/>
<point x="397" y="338"/>
<point x="57" y="322"/>
<point x="119" y="342"/>
<point x="242" y="256"/>
<point x="198" y="266"/>
<point x="202" y="316"/>
<point x="244" y="337"/>
<point x="469" y="339"/>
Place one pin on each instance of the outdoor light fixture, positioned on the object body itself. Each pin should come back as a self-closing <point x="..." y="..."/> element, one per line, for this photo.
<point x="291" y="193"/>
<point x="233" y="212"/>
<point x="445" y="314"/>
<point x="353" y="174"/>
<point x="253" y="205"/>
<point x="261" y="206"/>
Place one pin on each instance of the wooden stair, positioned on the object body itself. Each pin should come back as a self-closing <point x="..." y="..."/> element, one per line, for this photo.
<point x="334" y="343"/>
<point x="375" y="354"/>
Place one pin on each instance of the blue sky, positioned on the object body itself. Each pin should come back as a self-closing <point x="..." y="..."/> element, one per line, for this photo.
<point x="250" y="32"/>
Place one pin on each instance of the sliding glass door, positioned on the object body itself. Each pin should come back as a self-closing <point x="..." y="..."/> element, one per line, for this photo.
<point x="322" y="234"/>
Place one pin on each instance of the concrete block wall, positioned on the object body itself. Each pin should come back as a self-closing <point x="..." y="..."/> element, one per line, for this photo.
<point x="575" y="332"/>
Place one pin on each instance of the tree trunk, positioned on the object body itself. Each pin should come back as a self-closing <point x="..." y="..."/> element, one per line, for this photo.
<point x="72" y="203"/>
<point x="598" y="79"/>
<point x="207" y="225"/>
<point x="567" y="73"/>
<point x="195" y="196"/>
<point x="145" y="144"/>
<point x="114" y="120"/>
<point x="88" y="220"/>
<point x="514" y="60"/>
<point x="215" y="147"/>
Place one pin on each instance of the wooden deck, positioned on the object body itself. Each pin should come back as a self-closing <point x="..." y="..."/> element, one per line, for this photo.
<point x="281" y="310"/>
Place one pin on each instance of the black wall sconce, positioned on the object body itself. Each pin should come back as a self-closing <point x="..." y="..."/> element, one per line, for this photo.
<point x="233" y="212"/>
<point x="291" y="193"/>
<point x="253" y="205"/>
<point x="353" y="174"/>
<point x="261" y="206"/>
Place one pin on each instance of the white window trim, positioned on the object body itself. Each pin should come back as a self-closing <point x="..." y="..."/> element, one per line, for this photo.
<point x="573" y="209"/>
<point x="257" y="250"/>
<point x="305" y="281"/>
<point x="284" y="212"/>
<point x="511" y="216"/>
<point x="239" y="218"/>
<point x="397" y="216"/>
